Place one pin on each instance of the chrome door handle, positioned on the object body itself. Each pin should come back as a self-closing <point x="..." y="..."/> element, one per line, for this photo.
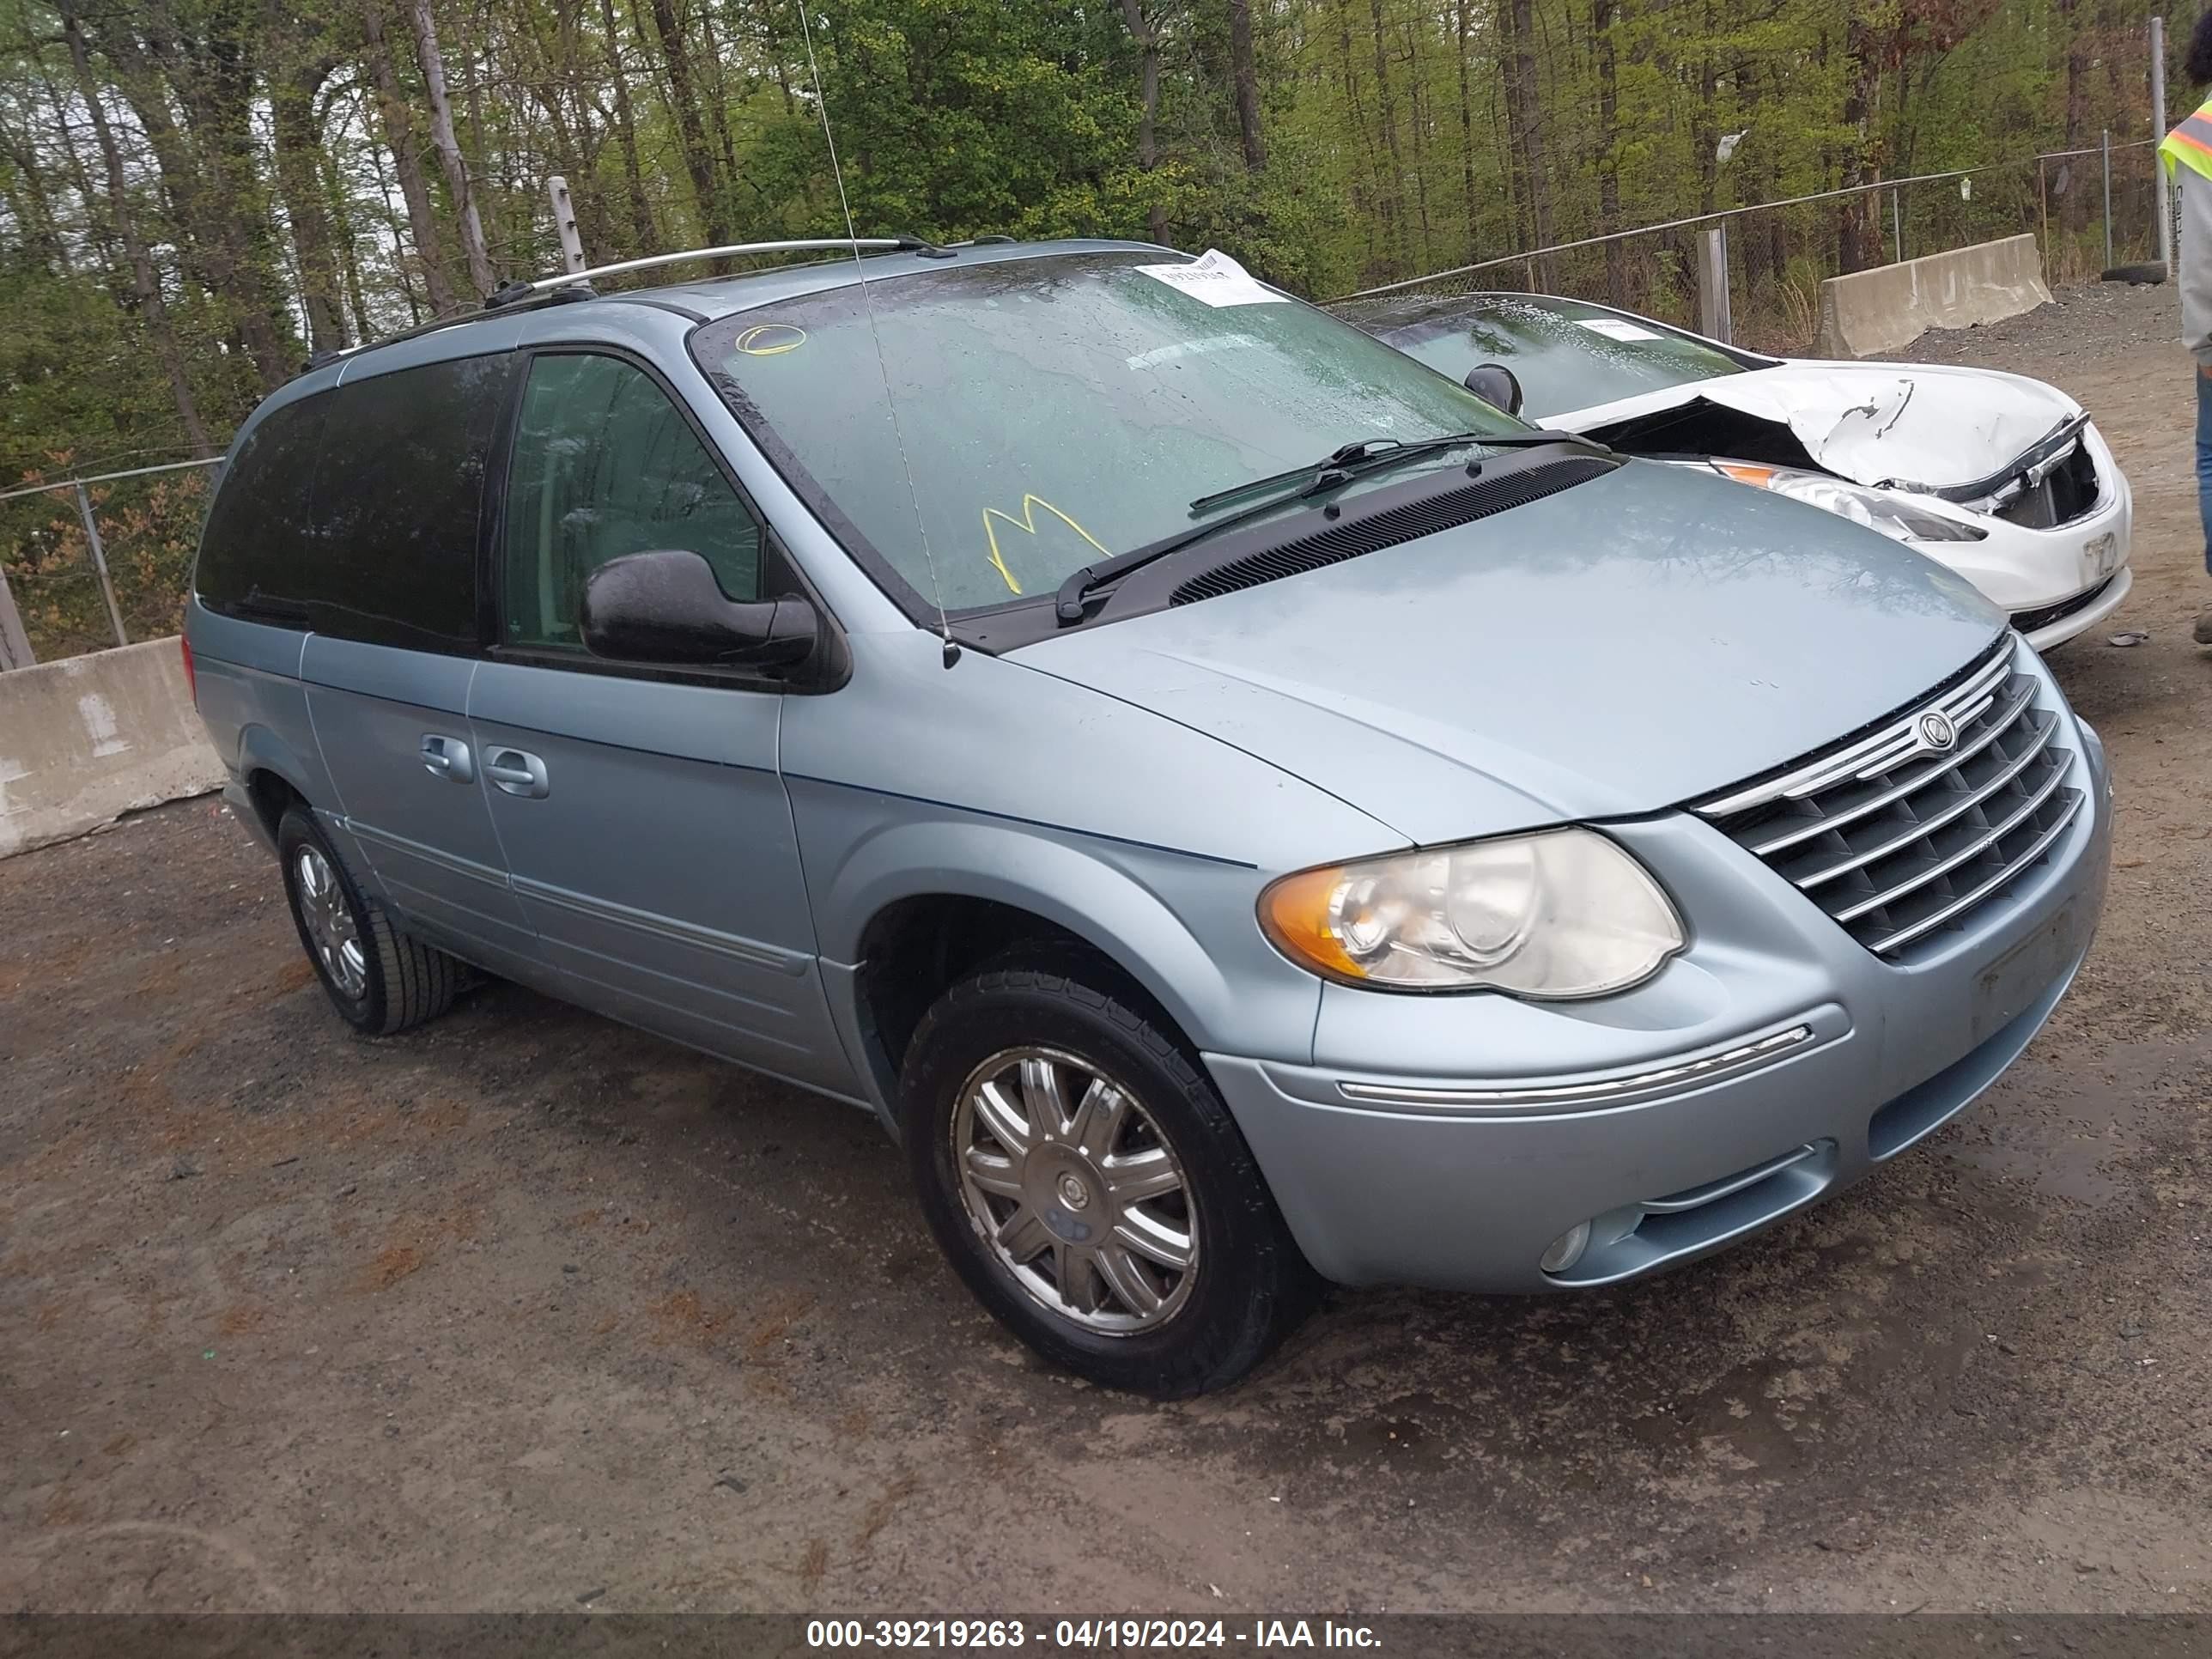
<point x="518" y="772"/>
<point x="447" y="757"/>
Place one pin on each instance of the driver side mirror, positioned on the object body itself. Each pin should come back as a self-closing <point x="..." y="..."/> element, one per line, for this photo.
<point x="1494" y="383"/>
<point x="666" y="607"/>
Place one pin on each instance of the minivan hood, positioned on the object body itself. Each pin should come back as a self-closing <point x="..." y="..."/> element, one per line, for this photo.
<point x="1638" y="640"/>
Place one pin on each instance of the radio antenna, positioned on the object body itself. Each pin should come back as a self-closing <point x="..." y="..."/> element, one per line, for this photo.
<point x="882" y="367"/>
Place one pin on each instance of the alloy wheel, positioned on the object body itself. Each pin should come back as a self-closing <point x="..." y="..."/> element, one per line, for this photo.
<point x="1078" y="1193"/>
<point x="329" y="921"/>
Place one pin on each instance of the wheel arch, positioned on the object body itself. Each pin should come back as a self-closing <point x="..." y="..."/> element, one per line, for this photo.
<point x="918" y="907"/>
<point x="272" y="776"/>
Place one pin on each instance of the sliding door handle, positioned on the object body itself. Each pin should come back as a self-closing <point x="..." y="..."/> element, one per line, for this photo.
<point x="518" y="772"/>
<point x="447" y="757"/>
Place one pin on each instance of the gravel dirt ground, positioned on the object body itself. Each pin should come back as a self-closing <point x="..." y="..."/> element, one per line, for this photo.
<point x="530" y="1311"/>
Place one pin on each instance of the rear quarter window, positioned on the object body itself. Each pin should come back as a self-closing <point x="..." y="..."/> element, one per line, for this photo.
<point x="252" y="560"/>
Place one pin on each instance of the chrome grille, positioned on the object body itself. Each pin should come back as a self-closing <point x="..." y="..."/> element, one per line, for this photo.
<point x="1896" y="834"/>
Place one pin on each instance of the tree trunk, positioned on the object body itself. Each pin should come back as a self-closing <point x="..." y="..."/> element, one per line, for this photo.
<point x="1759" y="181"/>
<point x="35" y="209"/>
<point x="1524" y="116"/>
<point x="448" y="146"/>
<point x="1466" y="133"/>
<point x="209" y="168"/>
<point x="1244" y="75"/>
<point x="1858" y="235"/>
<point x="398" y="139"/>
<point x="2074" y="206"/>
<point x="299" y="181"/>
<point x="640" y="210"/>
<point x="1393" y="201"/>
<point x="1776" y="229"/>
<point x="349" y="260"/>
<point x="139" y="82"/>
<point x="145" y="280"/>
<point x="76" y="178"/>
<point x="691" y="128"/>
<point x="402" y="267"/>
<point x="1359" y="119"/>
<point x="1704" y="121"/>
<point x="338" y="200"/>
<point x="1608" y="163"/>
<point x="717" y="101"/>
<point x="1417" y="99"/>
<point x="472" y="100"/>
<point x="1142" y="30"/>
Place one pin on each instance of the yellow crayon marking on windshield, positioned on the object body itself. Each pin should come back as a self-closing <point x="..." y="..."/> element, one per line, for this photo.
<point x="1028" y="522"/>
<point x="766" y="339"/>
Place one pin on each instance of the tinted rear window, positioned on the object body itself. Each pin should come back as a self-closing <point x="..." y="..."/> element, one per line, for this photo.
<point x="251" y="553"/>
<point x="372" y="537"/>
<point x="396" y="501"/>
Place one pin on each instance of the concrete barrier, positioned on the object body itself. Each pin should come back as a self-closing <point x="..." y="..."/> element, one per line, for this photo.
<point x="1890" y="307"/>
<point x="89" y="739"/>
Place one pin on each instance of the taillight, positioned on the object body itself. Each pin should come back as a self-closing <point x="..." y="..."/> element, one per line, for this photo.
<point x="192" y="673"/>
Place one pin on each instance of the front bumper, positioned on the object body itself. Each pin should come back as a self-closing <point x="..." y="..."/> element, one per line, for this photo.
<point x="2073" y="619"/>
<point x="1773" y="1063"/>
<point x="2030" y="573"/>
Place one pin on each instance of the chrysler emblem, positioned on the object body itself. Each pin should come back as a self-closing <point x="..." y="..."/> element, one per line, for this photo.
<point x="1936" y="731"/>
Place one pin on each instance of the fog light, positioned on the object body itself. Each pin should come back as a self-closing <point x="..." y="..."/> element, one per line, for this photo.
<point x="1566" y="1249"/>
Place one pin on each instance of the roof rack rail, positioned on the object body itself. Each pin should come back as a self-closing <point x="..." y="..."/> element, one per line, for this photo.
<point x="573" y="289"/>
<point x="577" y="284"/>
<point x="803" y="245"/>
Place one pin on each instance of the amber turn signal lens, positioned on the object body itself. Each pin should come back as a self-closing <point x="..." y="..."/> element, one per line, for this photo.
<point x="1295" y="912"/>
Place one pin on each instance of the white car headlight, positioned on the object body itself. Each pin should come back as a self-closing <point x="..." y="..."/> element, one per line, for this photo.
<point x="1875" y="508"/>
<point x="1563" y="913"/>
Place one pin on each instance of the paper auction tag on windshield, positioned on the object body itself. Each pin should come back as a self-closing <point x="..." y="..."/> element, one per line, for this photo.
<point x="1215" y="279"/>
<point x="1616" y="328"/>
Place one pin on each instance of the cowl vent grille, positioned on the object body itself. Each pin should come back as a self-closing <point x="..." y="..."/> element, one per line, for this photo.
<point x="1477" y="499"/>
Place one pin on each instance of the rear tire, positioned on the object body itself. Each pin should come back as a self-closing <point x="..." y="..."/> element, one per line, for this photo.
<point x="1088" y="1184"/>
<point x="379" y="979"/>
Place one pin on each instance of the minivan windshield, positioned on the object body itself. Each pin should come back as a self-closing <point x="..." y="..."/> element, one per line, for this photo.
<point x="1566" y="354"/>
<point x="1054" y="410"/>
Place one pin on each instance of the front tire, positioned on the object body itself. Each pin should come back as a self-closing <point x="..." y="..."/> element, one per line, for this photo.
<point x="381" y="980"/>
<point x="1090" y="1187"/>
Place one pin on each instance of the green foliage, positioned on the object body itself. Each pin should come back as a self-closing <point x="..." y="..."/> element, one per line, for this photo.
<point x="953" y="120"/>
<point x="78" y="395"/>
<point x="1399" y="136"/>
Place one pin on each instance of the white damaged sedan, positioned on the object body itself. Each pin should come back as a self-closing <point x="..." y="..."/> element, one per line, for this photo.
<point x="2004" y="479"/>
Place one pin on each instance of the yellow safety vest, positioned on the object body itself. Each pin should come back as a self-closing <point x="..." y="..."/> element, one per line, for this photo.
<point x="2190" y="144"/>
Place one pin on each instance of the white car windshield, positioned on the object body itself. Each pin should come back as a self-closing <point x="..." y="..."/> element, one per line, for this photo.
<point x="1567" y="355"/>
<point x="1054" y="410"/>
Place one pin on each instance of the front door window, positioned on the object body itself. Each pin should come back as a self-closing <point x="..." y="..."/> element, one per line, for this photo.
<point x="606" y="464"/>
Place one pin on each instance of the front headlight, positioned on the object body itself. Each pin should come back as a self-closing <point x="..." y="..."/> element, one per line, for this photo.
<point x="1563" y="912"/>
<point x="1873" y="508"/>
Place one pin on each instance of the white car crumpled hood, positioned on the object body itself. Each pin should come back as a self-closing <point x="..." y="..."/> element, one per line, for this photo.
<point x="1916" y="424"/>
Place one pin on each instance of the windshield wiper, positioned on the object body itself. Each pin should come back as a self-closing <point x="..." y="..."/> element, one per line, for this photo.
<point x="1339" y="467"/>
<point x="1338" y="463"/>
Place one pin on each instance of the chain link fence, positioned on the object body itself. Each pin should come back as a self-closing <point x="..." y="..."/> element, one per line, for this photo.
<point x="2089" y="209"/>
<point x="92" y="562"/>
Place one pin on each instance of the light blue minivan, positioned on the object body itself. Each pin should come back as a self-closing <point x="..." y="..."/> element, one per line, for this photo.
<point x="1244" y="812"/>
